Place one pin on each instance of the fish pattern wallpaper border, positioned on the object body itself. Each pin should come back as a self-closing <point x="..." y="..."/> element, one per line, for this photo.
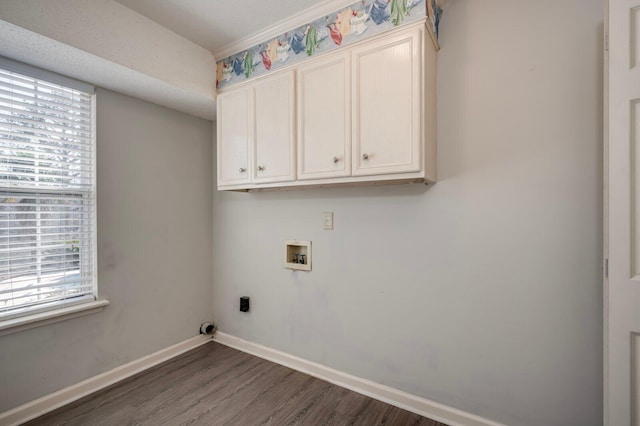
<point x="358" y="21"/>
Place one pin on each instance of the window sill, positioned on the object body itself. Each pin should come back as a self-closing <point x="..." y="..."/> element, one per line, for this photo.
<point x="50" y="317"/>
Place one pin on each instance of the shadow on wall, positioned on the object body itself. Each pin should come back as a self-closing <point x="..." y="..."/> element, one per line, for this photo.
<point x="386" y="191"/>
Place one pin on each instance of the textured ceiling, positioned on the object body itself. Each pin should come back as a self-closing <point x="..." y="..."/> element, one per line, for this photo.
<point x="214" y="24"/>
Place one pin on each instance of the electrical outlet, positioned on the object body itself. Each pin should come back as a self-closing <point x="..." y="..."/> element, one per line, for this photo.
<point x="327" y="220"/>
<point x="244" y="304"/>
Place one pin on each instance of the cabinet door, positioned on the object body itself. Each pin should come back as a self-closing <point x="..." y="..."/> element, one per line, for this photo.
<point x="324" y="118"/>
<point x="274" y="145"/>
<point x="233" y="139"/>
<point x="387" y="105"/>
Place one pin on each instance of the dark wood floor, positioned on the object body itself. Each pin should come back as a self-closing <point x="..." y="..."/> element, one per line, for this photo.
<point x="217" y="385"/>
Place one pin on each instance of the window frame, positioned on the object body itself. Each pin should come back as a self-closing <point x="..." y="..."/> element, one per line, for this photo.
<point x="59" y="310"/>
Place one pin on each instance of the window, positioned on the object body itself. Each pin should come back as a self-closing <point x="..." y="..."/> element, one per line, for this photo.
<point x="47" y="191"/>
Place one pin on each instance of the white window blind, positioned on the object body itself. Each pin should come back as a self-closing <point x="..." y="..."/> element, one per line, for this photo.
<point x="47" y="193"/>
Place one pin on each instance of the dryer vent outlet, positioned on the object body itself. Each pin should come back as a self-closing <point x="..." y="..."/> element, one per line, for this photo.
<point x="207" y="328"/>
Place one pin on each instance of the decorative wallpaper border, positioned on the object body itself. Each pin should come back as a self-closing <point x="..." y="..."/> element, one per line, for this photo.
<point x="358" y="21"/>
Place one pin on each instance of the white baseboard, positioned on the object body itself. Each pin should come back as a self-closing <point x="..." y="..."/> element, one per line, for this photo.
<point x="48" y="403"/>
<point x="422" y="406"/>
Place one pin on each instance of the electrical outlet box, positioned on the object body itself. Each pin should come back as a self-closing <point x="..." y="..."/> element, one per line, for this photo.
<point x="244" y="304"/>
<point x="297" y="255"/>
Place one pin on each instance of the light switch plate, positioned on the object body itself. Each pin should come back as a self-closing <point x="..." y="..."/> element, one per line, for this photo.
<point x="327" y="220"/>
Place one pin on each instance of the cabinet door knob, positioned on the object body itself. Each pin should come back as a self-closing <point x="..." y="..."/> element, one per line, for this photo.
<point x="336" y="160"/>
<point x="260" y="168"/>
<point x="242" y="170"/>
<point x="365" y="156"/>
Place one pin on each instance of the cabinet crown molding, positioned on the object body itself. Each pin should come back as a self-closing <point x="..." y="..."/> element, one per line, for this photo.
<point x="323" y="28"/>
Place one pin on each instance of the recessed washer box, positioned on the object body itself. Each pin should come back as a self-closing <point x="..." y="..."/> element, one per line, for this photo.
<point x="297" y="255"/>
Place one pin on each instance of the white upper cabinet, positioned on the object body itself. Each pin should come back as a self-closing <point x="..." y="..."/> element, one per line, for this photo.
<point x="234" y="132"/>
<point x="387" y="94"/>
<point x="256" y="133"/>
<point x="362" y="114"/>
<point x="274" y="139"/>
<point x="324" y="117"/>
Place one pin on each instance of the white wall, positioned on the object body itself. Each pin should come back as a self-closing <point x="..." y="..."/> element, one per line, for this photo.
<point x="154" y="252"/>
<point x="483" y="292"/>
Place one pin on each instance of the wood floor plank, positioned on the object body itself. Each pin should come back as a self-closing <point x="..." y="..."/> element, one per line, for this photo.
<point x="377" y="414"/>
<point x="125" y="397"/>
<point x="191" y="387"/>
<point x="297" y="407"/>
<point x="217" y="385"/>
<point x="116" y="395"/>
<point x="241" y="397"/>
<point x="270" y="401"/>
<point x="351" y="407"/>
<point x="194" y="400"/>
<point x="222" y="398"/>
<point x="324" y="412"/>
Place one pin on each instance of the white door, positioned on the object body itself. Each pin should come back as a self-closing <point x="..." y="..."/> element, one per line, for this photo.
<point x="622" y="178"/>
<point x="324" y="118"/>
<point x="274" y="145"/>
<point x="233" y="137"/>
<point x="387" y="93"/>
